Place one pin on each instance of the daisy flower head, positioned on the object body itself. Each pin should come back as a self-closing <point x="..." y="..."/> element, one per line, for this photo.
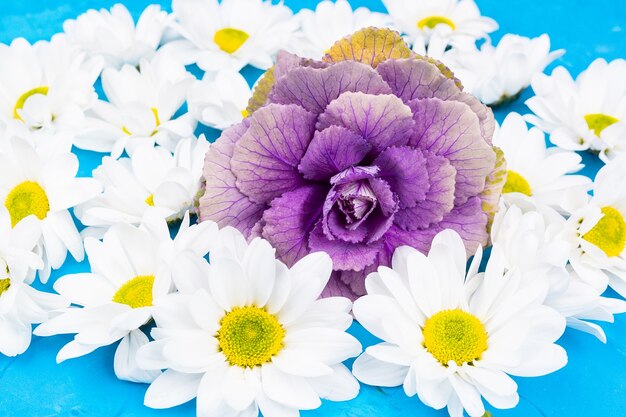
<point x="231" y="34"/>
<point x="331" y="20"/>
<point x="114" y="36"/>
<point x="537" y="172"/>
<point x="444" y="22"/>
<point x="253" y="338"/>
<point x="586" y="113"/>
<point x="129" y="273"/>
<point x="142" y="107"/>
<point x="46" y="87"/>
<point x="451" y="337"/>
<point x="498" y="74"/>
<point x="152" y="180"/>
<point x="41" y="184"/>
<point x="20" y="304"/>
<point x="220" y="99"/>
<point x="531" y="240"/>
<point x="597" y="231"/>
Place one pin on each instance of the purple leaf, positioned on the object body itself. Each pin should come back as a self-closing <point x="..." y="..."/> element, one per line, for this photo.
<point x="450" y="129"/>
<point x="266" y="157"/>
<point x="345" y="255"/>
<point x="222" y="201"/>
<point x="404" y="169"/>
<point x="331" y="151"/>
<point x="383" y="120"/>
<point x="290" y="219"/>
<point x="412" y="79"/>
<point x="468" y="220"/>
<point x="315" y="88"/>
<point x="439" y="198"/>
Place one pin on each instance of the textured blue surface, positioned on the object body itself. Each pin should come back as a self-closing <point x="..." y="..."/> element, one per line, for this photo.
<point x="594" y="381"/>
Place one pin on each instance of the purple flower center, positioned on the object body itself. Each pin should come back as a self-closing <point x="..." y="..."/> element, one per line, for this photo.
<point x="356" y="201"/>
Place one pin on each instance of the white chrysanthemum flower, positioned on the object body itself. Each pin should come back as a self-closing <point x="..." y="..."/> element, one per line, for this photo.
<point x="116" y="298"/>
<point x="443" y="22"/>
<point x="141" y="108"/>
<point x="45" y="87"/>
<point x="331" y="20"/>
<point x="537" y="172"/>
<point x="151" y="180"/>
<point x="20" y="304"/>
<point x="498" y="74"/>
<point x="42" y="183"/>
<point x="531" y="240"/>
<point x="114" y="36"/>
<point x="597" y="231"/>
<point x="220" y="99"/>
<point x="230" y="34"/>
<point x="451" y="338"/>
<point x="589" y="113"/>
<point x="252" y="337"/>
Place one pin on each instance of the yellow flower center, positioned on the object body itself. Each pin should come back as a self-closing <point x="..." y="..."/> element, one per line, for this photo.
<point x="455" y="335"/>
<point x="515" y="183"/>
<point x="609" y="234"/>
<point x="244" y="113"/>
<point x="4" y="285"/>
<point x="19" y="104"/>
<point x="249" y="336"/>
<point x="136" y="292"/>
<point x="150" y="200"/>
<point x="432" y="21"/>
<point x="599" y="121"/>
<point x="230" y="39"/>
<point x="25" y="199"/>
<point x="157" y="122"/>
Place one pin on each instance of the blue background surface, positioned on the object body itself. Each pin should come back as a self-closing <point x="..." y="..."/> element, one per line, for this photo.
<point x="594" y="381"/>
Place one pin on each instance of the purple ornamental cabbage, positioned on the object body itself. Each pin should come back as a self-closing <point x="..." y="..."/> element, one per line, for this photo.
<point x="368" y="150"/>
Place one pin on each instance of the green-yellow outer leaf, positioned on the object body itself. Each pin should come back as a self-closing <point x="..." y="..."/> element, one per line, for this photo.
<point x="261" y="91"/>
<point x="370" y="46"/>
<point x="493" y="187"/>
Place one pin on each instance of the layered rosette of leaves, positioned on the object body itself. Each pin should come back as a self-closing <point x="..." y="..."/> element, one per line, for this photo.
<point x="368" y="150"/>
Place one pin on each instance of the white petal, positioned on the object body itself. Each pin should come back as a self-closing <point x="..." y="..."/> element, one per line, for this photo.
<point x="271" y="408"/>
<point x="540" y="359"/>
<point x="173" y="311"/>
<point x="16" y="336"/>
<point x="85" y="289"/>
<point x="281" y="290"/>
<point x="125" y="361"/>
<point x="372" y="371"/>
<point x="494" y="380"/>
<point x="228" y="283"/>
<point x="73" y="350"/>
<point x="309" y="276"/>
<point x="190" y="272"/>
<point x="339" y="386"/>
<point x="172" y="388"/>
<point x="195" y="352"/>
<point x="330" y="346"/>
<point x="331" y="312"/>
<point x="381" y="314"/>
<point x="295" y="362"/>
<point x="469" y="396"/>
<point x="150" y="356"/>
<point x="435" y="393"/>
<point x="389" y="353"/>
<point x="241" y="387"/>
<point x="205" y="312"/>
<point x="288" y="390"/>
<point x="259" y="264"/>
<point x="210" y="402"/>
